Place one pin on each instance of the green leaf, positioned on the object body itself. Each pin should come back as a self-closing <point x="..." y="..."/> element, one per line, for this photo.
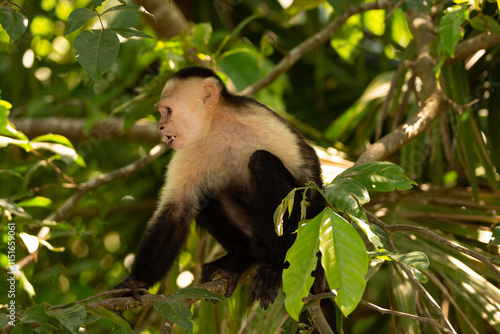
<point x="37" y="314"/>
<point x="415" y="259"/>
<point x="485" y="23"/>
<point x="177" y="312"/>
<point x="201" y="34"/>
<point x="37" y="201"/>
<point x="379" y="176"/>
<point x="53" y="138"/>
<point x="72" y="317"/>
<point x="111" y="316"/>
<point x="97" y="3"/>
<point x="129" y="32"/>
<point x="196" y="293"/>
<point x="290" y="326"/>
<point x="6" y="127"/>
<point x="495" y="237"/>
<point x="286" y="204"/>
<point x="346" y="41"/>
<point x="135" y="8"/>
<point x="297" y="279"/>
<point x="374" y="238"/>
<point x="24" y="144"/>
<point x="348" y="195"/>
<point x="67" y="153"/>
<point x="22" y="328"/>
<point x="78" y="18"/>
<point x="449" y="27"/>
<point x="345" y="260"/>
<point x="14" y="23"/>
<point x="96" y="51"/>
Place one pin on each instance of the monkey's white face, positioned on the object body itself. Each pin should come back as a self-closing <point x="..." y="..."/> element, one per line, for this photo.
<point x="183" y="117"/>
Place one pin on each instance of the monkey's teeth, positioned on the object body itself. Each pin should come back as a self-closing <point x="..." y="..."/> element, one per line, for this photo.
<point x="169" y="139"/>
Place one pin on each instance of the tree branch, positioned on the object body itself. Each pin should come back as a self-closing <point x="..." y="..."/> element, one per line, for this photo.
<point x="435" y="100"/>
<point x="311" y="43"/>
<point x="75" y="129"/>
<point x="472" y="45"/>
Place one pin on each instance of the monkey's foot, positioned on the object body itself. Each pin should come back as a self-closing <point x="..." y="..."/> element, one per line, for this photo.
<point x="134" y="285"/>
<point x="229" y="267"/>
<point x="265" y="285"/>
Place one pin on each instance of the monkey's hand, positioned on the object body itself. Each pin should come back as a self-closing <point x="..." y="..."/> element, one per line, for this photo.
<point x="265" y="285"/>
<point x="229" y="267"/>
<point x="134" y="285"/>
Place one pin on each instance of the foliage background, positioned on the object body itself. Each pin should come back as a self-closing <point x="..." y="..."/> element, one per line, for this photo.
<point x="338" y="95"/>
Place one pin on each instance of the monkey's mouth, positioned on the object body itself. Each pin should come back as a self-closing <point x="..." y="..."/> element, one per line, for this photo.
<point x="169" y="139"/>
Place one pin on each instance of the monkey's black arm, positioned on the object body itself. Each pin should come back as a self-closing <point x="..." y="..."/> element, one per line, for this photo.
<point x="272" y="182"/>
<point x="162" y="241"/>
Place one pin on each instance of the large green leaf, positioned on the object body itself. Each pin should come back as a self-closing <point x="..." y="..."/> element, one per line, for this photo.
<point x="297" y="279"/>
<point x="96" y="51"/>
<point x="14" y="23"/>
<point x="78" y="18"/>
<point x="379" y="176"/>
<point x="344" y="258"/>
<point x="348" y="195"/>
<point x="177" y="312"/>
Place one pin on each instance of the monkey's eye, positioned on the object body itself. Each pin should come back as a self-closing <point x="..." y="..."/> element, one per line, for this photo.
<point x="169" y="110"/>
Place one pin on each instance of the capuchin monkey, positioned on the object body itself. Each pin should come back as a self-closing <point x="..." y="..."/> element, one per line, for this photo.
<point x="235" y="161"/>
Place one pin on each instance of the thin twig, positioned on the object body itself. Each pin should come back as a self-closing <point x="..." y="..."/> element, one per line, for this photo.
<point x="54" y="167"/>
<point x="387" y="101"/>
<point x="425" y="231"/>
<point x="381" y="309"/>
<point x="408" y="273"/>
<point x="447" y="294"/>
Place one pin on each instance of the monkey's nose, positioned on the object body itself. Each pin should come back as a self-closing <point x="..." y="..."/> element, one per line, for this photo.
<point x="161" y="127"/>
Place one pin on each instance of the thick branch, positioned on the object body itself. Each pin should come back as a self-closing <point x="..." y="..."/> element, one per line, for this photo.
<point x="393" y="141"/>
<point x="435" y="100"/>
<point x="472" y="45"/>
<point x="311" y="43"/>
<point x="74" y="128"/>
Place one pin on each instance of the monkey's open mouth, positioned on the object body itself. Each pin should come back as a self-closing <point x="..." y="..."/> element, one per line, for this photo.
<point x="169" y="139"/>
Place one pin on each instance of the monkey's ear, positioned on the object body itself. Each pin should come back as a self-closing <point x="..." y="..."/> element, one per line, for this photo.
<point x="211" y="91"/>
